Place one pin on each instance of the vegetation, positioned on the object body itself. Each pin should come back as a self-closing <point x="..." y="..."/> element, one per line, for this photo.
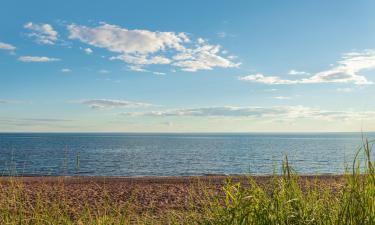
<point x="284" y="200"/>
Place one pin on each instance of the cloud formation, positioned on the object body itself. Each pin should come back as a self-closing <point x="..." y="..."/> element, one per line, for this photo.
<point x="43" y="33"/>
<point x="158" y="73"/>
<point x="112" y="103"/>
<point x="282" y="98"/>
<point x="143" y="47"/>
<point x="273" y="113"/>
<point x="5" y="46"/>
<point x="297" y="72"/>
<point x="37" y="59"/>
<point x="203" y="57"/>
<point x="137" y="68"/>
<point x="88" y="51"/>
<point x="346" y="71"/>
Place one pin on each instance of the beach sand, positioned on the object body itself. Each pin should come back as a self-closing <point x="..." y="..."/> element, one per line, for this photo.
<point x="144" y="194"/>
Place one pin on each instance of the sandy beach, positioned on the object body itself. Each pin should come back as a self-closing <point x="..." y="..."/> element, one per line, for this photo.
<point x="145" y="193"/>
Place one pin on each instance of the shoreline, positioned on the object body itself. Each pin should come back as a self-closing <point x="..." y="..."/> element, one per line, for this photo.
<point x="168" y="176"/>
<point x="161" y="179"/>
<point x="145" y="195"/>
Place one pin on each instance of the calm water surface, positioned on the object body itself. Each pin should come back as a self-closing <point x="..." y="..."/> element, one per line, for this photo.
<point x="173" y="154"/>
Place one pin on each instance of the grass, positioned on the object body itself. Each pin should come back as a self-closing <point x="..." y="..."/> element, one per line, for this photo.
<point x="285" y="199"/>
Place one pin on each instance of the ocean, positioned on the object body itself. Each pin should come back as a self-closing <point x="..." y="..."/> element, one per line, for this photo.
<point x="131" y="154"/>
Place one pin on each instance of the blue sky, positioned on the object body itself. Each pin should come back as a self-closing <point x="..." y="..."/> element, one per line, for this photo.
<point x="187" y="66"/>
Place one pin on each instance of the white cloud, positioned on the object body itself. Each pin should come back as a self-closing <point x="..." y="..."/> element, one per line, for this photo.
<point x="282" y="98"/>
<point x="43" y="33"/>
<point x="273" y="113"/>
<point x="137" y="68"/>
<point x="66" y="70"/>
<point x="37" y="59"/>
<point x="112" y="103"/>
<point x="260" y="78"/>
<point x="206" y="111"/>
<point x="204" y="57"/>
<point x="346" y="71"/>
<point x="121" y="40"/>
<point x="232" y="57"/>
<point x="88" y="51"/>
<point x="158" y="73"/>
<point x="201" y="41"/>
<point x="5" y="46"/>
<point x="144" y="47"/>
<point x="296" y="72"/>
<point x="142" y="59"/>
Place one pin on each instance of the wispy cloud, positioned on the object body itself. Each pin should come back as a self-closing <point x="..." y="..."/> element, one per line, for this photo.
<point x="43" y="33"/>
<point x="297" y="72"/>
<point x="66" y="70"/>
<point x="37" y="59"/>
<point x="346" y="71"/>
<point x="223" y="34"/>
<point x="88" y="51"/>
<point x="139" y="48"/>
<point x="112" y="103"/>
<point x="204" y="57"/>
<point x="143" y="59"/>
<point x="5" y="46"/>
<point x="260" y="78"/>
<point x="103" y="71"/>
<point x="158" y="73"/>
<point x="137" y="68"/>
<point x="282" y="98"/>
<point x="270" y="113"/>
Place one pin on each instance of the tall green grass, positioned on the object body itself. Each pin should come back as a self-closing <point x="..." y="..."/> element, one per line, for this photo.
<point x="286" y="199"/>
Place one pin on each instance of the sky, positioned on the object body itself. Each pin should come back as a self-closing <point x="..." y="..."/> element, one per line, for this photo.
<point x="187" y="66"/>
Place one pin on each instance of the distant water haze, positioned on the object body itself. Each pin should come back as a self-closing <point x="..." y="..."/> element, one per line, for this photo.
<point x="124" y="154"/>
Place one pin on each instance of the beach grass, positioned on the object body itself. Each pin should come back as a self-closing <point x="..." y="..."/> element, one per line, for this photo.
<point x="286" y="198"/>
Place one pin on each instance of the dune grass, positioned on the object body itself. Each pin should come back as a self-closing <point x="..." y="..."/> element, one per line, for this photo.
<point x="285" y="199"/>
